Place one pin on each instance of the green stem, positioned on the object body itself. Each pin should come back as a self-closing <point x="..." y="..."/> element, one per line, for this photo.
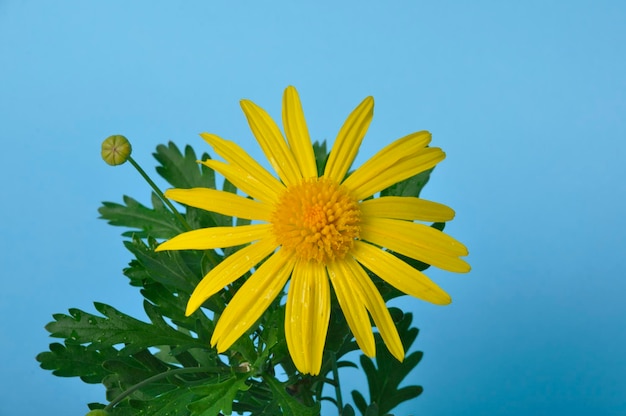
<point x="159" y="376"/>
<point x="159" y="193"/>
<point x="333" y="360"/>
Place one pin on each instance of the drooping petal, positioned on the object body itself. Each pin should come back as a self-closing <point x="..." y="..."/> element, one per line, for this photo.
<point x="297" y="133"/>
<point x="306" y="315"/>
<point x="252" y="299"/>
<point x="377" y="308"/>
<point x="272" y="142"/>
<point x="352" y="304"/>
<point x="229" y="270"/>
<point x="349" y="140"/>
<point x="235" y="155"/>
<point x="221" y="202"/>
<point x="417" y="241"/>
<point x="399" y="274"/>
<point x="244" y="181"/>
<point x="216" y="237"/>
<point x="381" y="176"/>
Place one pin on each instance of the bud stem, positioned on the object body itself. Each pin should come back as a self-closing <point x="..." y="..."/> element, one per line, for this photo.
<point x="213" y="257"/>
<point x="159" y="193"/>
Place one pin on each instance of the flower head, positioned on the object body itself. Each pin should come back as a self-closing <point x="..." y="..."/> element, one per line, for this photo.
<point x="318" y="232"/>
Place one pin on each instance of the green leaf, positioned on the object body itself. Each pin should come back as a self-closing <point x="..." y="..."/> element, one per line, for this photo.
<point x="321" y="156"/>
<point x="359" y="401"/>
<point x="347" y="411"/>
<point x="183" y="170"/>
<point x="173" y="403"/>
<point x="173" y="307"/>
<point x="178" y="270"/>
<point x="158" y="222"/>
<point x="372" y="410"/>
<point x="409" y="187"/>
<point x="218" y="397"/>
<point x="127" y="372"/>
<point x="76" y="361"/>
<point x="385" y="377"/>
<point x="288" y="403"/>
<point x="114" y="328"/>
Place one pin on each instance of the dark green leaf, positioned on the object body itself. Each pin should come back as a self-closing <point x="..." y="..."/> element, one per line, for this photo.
<point x="439" y="225"/>
<point x="158" y="222"/>
<point x="372" y="410"/>
<point x="76" y="361"/>
<point x="385" y="378"/>
<point x="114" y="328"/>
<point x="173" y="403"/>
<point x="178" y="270"/>
<point x="321" y="156"/>
<point x="359" y="401"/>
<point x="408" y="187"/>
<point x="127" y="372"/>
<point x="218" y="397"/>
<point x="347" y="411"/>
<point x="183" y="171"/>
<point x="288" y="403"/>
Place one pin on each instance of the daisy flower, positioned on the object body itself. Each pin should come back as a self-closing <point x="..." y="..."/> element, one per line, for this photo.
<point x="318" y="231"/>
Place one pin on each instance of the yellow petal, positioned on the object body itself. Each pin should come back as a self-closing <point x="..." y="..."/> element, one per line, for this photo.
<point x="251" y="300"/>
<point x="352" y="304"/>
<point x="229" y="270"/>
<point x="406" y="208"/>
<point x="377" y="308"/>
<point x="217" y="237"/>
<point x="272" y="142"/>
<point x="417" y="241"/>
<point x="378" y="176"/>
<point x="297" y="133"/>
<point x="388" y="156"/>
<point x="248" y="183"/>
<point x="349" y="140"/>
<point x="399" y="274"/>
<point x="235" y="155"/>
<point x="221" y="202"/>
<point x="306" y="316"/>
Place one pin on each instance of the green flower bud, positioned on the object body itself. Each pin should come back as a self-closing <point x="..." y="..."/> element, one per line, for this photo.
<point x="116" y="150"/>
<point x="98" y="412"/>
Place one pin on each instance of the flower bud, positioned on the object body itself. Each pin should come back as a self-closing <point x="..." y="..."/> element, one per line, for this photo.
<point x="98" y="412"/>
<point x="116" y="150"/>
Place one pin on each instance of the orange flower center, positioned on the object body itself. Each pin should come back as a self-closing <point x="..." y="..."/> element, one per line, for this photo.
<point x="316" y="220"/>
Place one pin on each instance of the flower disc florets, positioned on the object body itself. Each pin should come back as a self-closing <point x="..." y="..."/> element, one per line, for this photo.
<point x="316" y="220"/>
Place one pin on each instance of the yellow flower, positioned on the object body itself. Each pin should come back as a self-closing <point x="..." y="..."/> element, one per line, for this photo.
<point x="315" y="230"/>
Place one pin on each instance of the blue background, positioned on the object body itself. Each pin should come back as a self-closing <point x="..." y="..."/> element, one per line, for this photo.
<point x="528" y="99"/>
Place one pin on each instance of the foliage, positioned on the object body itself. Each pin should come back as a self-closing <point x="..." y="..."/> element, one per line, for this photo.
<point x="167" y="367"/>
